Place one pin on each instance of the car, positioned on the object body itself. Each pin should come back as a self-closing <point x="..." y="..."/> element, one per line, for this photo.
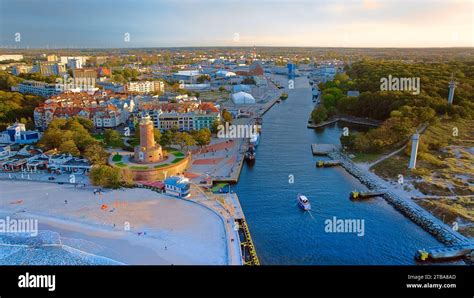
<point x="51" y="178"/>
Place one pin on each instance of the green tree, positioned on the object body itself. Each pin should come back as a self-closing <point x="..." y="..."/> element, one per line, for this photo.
<point x="96" y="154"/>
<point x="167" y="138"/>
<point x="227" y="116"/>
<point x="113" y="138"/>
<point x="319" y="114"/>
<point x="184" y="140"/>
<point x="203" y="137"/>
<point x="106" y="176"/>
<point x="69" y="147"/>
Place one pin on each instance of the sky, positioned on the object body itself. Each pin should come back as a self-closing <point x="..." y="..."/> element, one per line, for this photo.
<point x="177" y="23"/>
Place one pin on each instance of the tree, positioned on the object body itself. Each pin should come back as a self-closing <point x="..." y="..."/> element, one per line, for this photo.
<point x="184" y="139"/>
<point x="227" y="116"/>
<point x="106" y="176"/>
<point x="69" y="147"/>
<point x="319" y="114"/>
<point x="203" y="137"/>
<point x="113" y="138"/>
<point x="221" y="88"/>
<point x="203" y="78"/>
<point x="215" y="125"/>
<point x="157" y="135"/>
<point x="167" y="138"/>
<point x="86" y="123"/>
<point x="96" y="154"/>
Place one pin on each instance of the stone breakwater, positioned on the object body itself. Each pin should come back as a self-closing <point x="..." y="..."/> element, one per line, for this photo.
<point x="410" y="209"/>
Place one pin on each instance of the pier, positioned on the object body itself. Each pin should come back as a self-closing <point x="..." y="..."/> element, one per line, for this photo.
<point x="444" y="253"/>
<point x="348" y="119"/>
<point x="324" y="149"/>
<point x="249" y="253"/>
<point x="327" y="163"/>
<point x="356" y="195"/>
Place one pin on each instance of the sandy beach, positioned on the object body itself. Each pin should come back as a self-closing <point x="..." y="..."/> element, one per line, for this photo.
<point x="162" y="230"/>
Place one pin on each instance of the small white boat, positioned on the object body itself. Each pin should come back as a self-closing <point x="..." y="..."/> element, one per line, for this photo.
<point x="303" y="202"/>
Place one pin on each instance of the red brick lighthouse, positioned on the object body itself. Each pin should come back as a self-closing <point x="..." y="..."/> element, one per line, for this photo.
<point x="148" y="151"/>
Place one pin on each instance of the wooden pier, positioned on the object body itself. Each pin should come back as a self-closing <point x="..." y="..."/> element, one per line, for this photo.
<point x="324" y="149"/>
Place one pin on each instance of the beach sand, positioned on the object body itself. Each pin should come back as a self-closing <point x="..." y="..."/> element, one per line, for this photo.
<point x="177" y="231"/>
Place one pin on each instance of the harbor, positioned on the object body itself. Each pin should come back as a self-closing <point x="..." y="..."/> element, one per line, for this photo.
<point x="278" y="226"/>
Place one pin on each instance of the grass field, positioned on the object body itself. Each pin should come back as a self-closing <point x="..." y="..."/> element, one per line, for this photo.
<point x="444" y="168"/>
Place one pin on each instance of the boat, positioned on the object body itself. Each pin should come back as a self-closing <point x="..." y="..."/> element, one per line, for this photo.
<point x="255" y="139"/>
<point x="250" y="154"/>
<point x="303" y="202"/>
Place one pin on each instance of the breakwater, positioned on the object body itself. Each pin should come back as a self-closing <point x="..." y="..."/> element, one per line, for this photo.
<point x="409" y="208"/>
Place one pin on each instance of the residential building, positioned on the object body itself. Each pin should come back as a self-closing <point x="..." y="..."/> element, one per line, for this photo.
<point x="19" y="69"/>
<point x="145" y="86"/>
<point x="115" y="87"/>
<point x="82" y="59"/>
<point x="37" y="88"/>
<point x="84" y="78"/>
<point x="11" y="57"/>
<point x="74" y="63"/>
<point x="49" y="68"/>
<point x="104" y="110"/>
<point x="52" y="58"/>
<point x="17" y="133"/>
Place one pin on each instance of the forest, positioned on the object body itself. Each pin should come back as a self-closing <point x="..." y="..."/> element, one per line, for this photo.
<point x="402" y="112"/>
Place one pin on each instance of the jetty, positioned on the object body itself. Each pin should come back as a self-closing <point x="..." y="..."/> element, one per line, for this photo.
<point x="324" y="149"/>
<point x="327" y="163"/>
<point x="345" y="118"/>
<point x="249" y="254"/>
<point x="444" y="253"/>
<point x="406" y="206"/>
<point x="356" y="195"/>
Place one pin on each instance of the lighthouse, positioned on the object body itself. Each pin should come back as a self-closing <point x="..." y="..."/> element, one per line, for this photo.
<point x="414" y="150"/>
<point x="452" y="86"/>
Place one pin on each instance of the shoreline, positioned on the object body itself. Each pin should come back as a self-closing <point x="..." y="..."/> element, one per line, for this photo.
<point x="164" y="242"/>
<point x="415" y="213"/>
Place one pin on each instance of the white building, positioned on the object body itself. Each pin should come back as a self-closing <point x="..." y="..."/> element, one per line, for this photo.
<point x="242" y="98"/>
<point x="187" y="76"/>
<point x="82" y="59"/>
<point x="74" y="63"/>
<point x="146" y="86"/>
<point x="11" y="57"/>
<point x="37" y="88"/>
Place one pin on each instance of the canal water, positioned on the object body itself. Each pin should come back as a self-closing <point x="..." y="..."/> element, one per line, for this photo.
<point x="282" y="233"/>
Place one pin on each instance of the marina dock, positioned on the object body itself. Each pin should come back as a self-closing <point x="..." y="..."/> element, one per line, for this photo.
<point x="249" y="254"/>
<point x="324" y="149"/>
<point x="445" y="253"/>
